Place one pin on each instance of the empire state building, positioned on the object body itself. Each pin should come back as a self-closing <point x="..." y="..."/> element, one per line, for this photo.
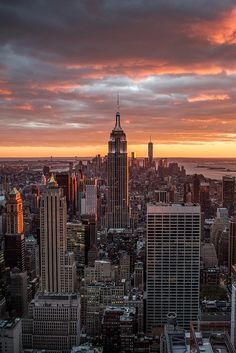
<point x="118" y="215"/>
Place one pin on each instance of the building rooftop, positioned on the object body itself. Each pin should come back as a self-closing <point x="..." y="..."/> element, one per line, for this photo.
<point x="14" y="191"/>
<point x="173" y="208"/>
<point x="87" y="348"/>
<point x="55" y="299"/>
<point x="109" y="284"/>
<point x="179" y="341"/>
<point x="102" y="262"/>
<point x="8" y="324"/>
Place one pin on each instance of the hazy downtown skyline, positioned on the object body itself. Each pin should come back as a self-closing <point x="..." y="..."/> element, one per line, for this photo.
<point x="172" y="62"/>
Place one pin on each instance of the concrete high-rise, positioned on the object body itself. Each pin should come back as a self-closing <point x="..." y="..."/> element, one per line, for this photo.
<point x="11" y="336"/>
<point x="14" y="213"/>
<point x="173" y="263"/>
<point x="32" y="257"/>
<point x="228" y="189"/>
<point x="57" y="265"/>
<point x="14" y="238"/>
<point x="232" y="243"/>
<point x="17" y="292"/>
<point x="76" y="243"/>
<point x="89" y="201"/>
<point x="117" y="168"/>
<point x="52" y="323"/>
<point x="233" y="316"/>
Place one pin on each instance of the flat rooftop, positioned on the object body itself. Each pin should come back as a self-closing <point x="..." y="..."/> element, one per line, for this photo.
<point x="8" y="324"/>
<point x="153" y="208"/>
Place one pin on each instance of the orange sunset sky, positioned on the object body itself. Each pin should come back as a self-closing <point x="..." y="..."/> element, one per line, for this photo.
<point x="173" y="63"/>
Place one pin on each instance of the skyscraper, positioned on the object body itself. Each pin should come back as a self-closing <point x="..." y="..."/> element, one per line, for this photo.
<point x="89" y="202"/>
<point x="205" y="200"/>
<point x="14" y="213"/>
<point x="150" y="153"/>
<point x="57" y="265"/>
<point x="228" y="188"/>
<point x="173" y="263"/>
<point x="74" y="194"/>
<point x="232" y="243"/>
<point x="14" y="239"/>
<point x="90" y="236"/>
<point x="76" y="243"/>
<point x="196" y="188"/>
<point x="11" y="335"/>
<point x="233" y="316"/>
<point x="17" y="293"/>
<point x="118" y="215"/>
<point x="64" y="182"/>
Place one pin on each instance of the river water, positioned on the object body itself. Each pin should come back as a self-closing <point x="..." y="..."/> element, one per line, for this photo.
<point x="207" y="167"/>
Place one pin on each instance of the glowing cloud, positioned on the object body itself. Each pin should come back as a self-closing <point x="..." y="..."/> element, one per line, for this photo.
<point x="220" y="30"/>
<point x="25" y="107"/>
<point x="208" y="97"/>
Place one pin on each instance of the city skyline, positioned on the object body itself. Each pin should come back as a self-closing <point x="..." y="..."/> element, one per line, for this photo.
<point x="118" y="176"/>
<point x="62" y="66"/>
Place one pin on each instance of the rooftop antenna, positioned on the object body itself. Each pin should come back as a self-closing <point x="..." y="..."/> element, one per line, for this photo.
<point x="118" y="102"/>
<point x="117" y="126"/>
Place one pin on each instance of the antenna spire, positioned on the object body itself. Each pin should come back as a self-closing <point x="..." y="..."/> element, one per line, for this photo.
<point x="118" y="102"/>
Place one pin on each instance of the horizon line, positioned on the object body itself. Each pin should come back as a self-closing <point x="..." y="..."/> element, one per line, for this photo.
<point x="89" y="157"/>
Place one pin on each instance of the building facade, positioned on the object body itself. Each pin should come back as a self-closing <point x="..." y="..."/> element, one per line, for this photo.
<point x="228" y="189"/>
<point x="117" y="169"/>
<point x="89" y="201"/>
<point x="119" y="326"/>
<point x="76" y="243"/>
<point x="100" y="295"/>
<point x="17" y="293"/>
<point x="53" y="323"/>
<point x="11" y="336"/>
<point x="232" y="243"/>
<point x="14" y="238"/>
<point x="173" y="263"/>
<point x="233" y="316"/>
<point x="14" y="213"/>
<point x="58" y="267"/>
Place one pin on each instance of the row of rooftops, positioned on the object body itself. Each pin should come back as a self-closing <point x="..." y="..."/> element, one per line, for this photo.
<point x="177" y="340"/>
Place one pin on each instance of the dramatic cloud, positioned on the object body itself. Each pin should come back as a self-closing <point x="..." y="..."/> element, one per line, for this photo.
<point x="62" y="64"/>
<point x="208" y="97"/>
<point x="221" y="30"/>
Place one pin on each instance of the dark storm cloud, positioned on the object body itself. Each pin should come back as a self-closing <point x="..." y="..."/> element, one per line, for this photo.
<point x="62" y="63"/>
<point x="101" y="31"/>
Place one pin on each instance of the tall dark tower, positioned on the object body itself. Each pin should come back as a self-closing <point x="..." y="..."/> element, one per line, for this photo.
<point x="14" y="237"/>
<point x="150" y="153"/>
<point x="228" y="188"/>
<point x="117" y="177"/>
<point x="232" y="243"/>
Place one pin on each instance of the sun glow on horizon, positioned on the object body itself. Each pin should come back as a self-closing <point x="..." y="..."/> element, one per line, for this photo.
<point x="201" y="150"/>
